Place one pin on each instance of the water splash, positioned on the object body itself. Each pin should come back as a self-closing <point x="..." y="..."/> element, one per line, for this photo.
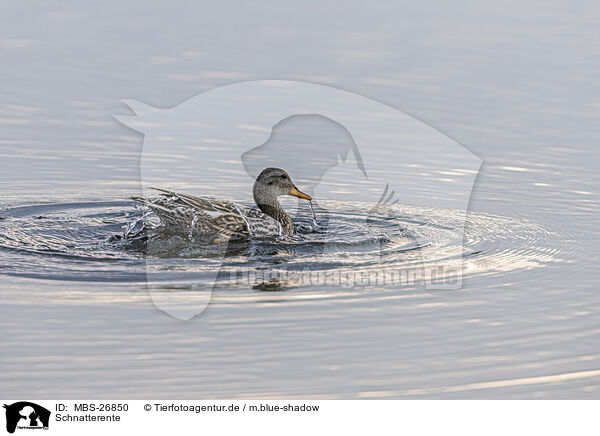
<point x="108" y="241"/>
<point x="315" y="224"/>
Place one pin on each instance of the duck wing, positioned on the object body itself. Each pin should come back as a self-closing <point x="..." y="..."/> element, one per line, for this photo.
<point x="209" y="216"/>
<point x="200" y="203"/>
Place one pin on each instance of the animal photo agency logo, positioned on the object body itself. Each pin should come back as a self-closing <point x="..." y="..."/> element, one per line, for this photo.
<point x="274" y="185"/>
<point x="24" y="415"/>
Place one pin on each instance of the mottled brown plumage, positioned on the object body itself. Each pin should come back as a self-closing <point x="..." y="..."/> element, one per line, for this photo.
<point x="219" y="220"/>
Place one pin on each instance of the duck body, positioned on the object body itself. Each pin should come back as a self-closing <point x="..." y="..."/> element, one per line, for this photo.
<point x="220" y="220"/>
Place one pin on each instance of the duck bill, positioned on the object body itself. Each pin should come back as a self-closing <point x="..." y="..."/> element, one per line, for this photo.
<point x="295" y="193"/>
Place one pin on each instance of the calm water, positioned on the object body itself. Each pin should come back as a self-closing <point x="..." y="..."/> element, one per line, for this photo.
<point x="518" y="87"/>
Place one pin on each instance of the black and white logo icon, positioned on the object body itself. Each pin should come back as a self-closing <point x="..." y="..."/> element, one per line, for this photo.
<point x="26" y="415"/>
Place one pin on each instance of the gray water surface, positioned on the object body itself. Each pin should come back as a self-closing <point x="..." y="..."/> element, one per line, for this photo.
<point x="515" y="84"/>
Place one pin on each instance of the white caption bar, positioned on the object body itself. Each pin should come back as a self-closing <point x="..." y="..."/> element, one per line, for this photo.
<point x="301" y="417"/>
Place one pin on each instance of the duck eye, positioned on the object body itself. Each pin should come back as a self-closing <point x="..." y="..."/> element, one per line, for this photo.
<point x="283" y="176"/>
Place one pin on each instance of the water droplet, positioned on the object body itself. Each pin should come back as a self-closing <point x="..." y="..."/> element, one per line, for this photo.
<point x="313" y="213"/>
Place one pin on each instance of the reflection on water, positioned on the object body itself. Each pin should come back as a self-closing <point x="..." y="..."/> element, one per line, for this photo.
<point x="108" y="242"/>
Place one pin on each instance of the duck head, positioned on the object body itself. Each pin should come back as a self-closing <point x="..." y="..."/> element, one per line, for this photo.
<point x="273" y="182"/>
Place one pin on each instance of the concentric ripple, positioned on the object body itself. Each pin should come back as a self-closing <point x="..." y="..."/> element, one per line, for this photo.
<point x="109" y="241"/>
